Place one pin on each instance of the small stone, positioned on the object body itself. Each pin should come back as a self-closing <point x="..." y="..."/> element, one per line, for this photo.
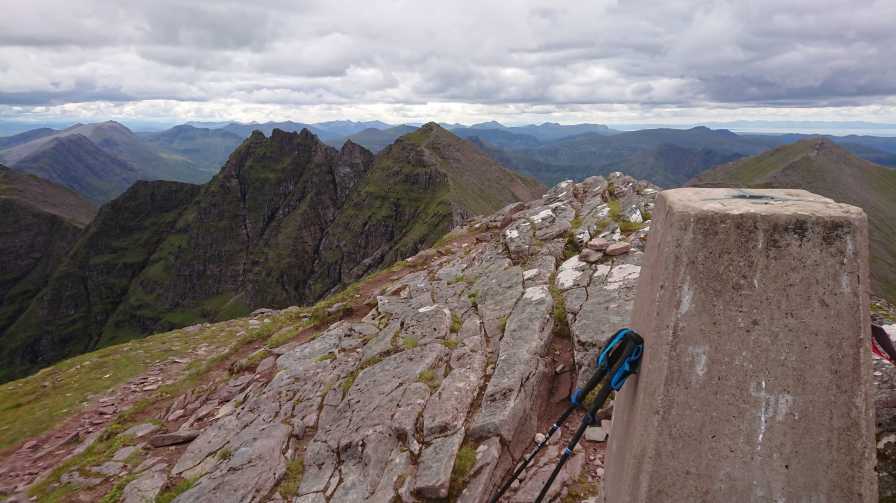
<point x="151" y="387"/>
<point x="31" y="444"/>
<point x="560" y="368"/>
<point x="178" y="437"/>
<point x="539" y="438"/>
<point x="590" y="256"/>
<point x="619" y="248"/>
<point x="598" y="244"/>
<point x="595" y="434"/>
<point x="599" y="472"/>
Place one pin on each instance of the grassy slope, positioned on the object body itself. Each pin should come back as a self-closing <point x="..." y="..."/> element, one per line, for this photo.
<point x="829" y="170"/>
<point x="34" y="404"/>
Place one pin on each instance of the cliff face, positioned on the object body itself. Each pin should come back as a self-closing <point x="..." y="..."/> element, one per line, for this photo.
<point x="69" y="315"/>
<point x="287" y="220"/>
<point x="41" y="222"/>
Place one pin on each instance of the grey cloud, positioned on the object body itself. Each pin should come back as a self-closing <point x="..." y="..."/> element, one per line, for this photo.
<point x="529" y="53"/>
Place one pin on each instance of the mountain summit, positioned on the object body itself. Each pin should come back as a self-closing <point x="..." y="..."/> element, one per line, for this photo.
<point x="823" y="167"/>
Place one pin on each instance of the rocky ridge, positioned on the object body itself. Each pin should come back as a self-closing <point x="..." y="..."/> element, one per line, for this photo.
<point x="432" y="386"/>
<point x="287" y="220"/>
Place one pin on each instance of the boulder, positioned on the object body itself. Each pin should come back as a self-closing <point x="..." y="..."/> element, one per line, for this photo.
<point x="619" y="248"/>
<point x="175" y="438"/>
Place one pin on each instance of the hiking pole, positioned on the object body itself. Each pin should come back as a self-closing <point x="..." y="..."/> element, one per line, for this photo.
<point x="632" y="349"/>
<point x="607" y="358"/>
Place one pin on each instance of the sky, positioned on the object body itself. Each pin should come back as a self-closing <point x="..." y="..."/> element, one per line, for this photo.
<point x="626" y="61"/>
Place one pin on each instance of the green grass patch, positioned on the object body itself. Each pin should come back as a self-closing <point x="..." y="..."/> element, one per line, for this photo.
<point x="429" y="378"/>
<point x="117" y="491"/>
<point x="289" y="485"/>
<point x="615" y="210"/>
<point x="580" y="490"/>
<point x="283" y="336"/>
<point x="325" y="357"/>
<point x="502" y="323"/>
<point x="250" y="362"/>
<point x="456" y="323"/>
<point x="34" y="404"/>
<point x="451" y="344"/>
<point x="626" y="226"/>
<point x="473" y="297"/>
<point x="224" y="454"/>
<point x="409" y="342"/>
<point x="561" y="323"/>
<point x="169" y="494"/>
<point x="463" y="463"/>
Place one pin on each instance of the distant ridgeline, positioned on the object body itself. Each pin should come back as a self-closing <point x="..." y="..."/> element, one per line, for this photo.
<point x="820" y="166"/>
<point x="286" y="220"/>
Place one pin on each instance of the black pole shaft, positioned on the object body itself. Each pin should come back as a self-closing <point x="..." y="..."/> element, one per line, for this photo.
<point x="602" y="396"/>
<point x="538" y="447"/>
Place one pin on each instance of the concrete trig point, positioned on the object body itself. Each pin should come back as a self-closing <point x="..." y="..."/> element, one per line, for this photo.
<point x="756" y="380"/>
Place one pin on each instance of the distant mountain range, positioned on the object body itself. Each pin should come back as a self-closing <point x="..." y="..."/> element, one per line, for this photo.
<point x="287" y="220"/>
<point x="823" y="167"/>
<point x="100" y="161"/>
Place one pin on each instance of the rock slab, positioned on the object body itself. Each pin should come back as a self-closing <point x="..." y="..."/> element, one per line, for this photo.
<point x="755" y="385"/>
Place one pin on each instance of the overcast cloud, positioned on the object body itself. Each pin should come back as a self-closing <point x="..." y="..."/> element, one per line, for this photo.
<point x="517" y="61"/>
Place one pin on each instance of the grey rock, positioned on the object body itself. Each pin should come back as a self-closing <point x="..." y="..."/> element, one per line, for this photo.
<point x="110" y="468"/>
<point x="590" y="256"/>
<point x="450" y="405"/>
<point x="175" y="438"/>
<point x="146" y="487"/>
<point x="435" y="465"/>
<point x="479" y="480"/>
<point x="125" y="452"/>
<point x="512" y="386"/>
<point x="256" y="464"/>
<point x="140" y="430"/>
<point x="75" y="478"/>
<point x="378" y="414"/>
<point x="266" y="365"/>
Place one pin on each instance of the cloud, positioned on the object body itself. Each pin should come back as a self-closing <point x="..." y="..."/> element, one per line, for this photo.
<point x="639" y="57"/>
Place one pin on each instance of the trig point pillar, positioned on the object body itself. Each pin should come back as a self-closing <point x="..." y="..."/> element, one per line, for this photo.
<point x="756" y="380"/>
